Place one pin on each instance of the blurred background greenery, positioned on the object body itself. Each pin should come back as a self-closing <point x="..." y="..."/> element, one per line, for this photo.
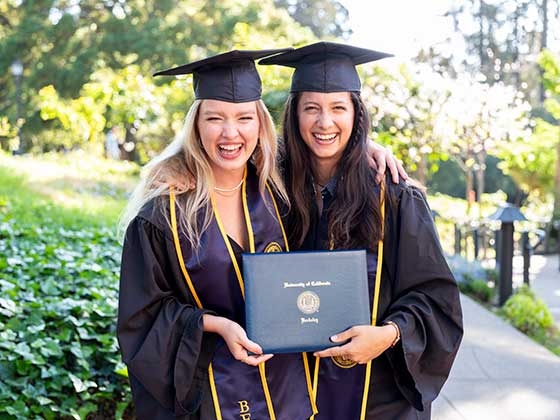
<point x="464" y="123"/>
<point x="478" y="126"/>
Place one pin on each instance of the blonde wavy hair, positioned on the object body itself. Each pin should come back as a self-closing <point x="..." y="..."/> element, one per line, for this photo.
<point x="183" y="166"/>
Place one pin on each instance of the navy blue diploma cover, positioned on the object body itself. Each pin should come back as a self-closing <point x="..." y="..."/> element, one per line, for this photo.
<point x="294" y="301"/>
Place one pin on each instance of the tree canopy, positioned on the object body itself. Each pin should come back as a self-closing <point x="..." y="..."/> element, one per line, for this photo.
<point x="87" y="67"/>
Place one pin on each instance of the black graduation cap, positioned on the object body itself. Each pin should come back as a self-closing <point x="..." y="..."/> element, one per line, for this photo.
<point x="325" y="66"/>
<point x="230" y="77"/>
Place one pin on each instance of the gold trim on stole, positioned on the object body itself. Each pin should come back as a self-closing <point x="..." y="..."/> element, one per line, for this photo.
<point x="375" y="294"/>
<point x="373" y="313"/>
<point x="262" y="370"/>
<point x="175" y="233"/>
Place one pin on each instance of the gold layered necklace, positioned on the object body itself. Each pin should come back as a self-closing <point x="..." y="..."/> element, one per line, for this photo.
<point x="228" y="191"/>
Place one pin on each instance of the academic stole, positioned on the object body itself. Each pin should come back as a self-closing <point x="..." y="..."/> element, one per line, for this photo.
<point x="344" y="364"/>
<point x="254" y="246"/>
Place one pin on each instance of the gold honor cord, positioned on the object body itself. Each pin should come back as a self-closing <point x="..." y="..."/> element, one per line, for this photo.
<point x="375" y="295"/>
<point x="175" y="232"/>
<point x="303" y="355"/>
<point x="373" y="311"/>
<point x="250" y="232"/>
<point x="278" y="217"/>
<point x="228" y="246"/>
<point x="240" y="277"/>
<point x="315" y="384"/>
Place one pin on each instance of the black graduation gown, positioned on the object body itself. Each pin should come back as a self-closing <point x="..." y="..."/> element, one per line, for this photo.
<point x="153" y="301"/>
<point x="419" y="293"/>
<point x="160" y="325"/>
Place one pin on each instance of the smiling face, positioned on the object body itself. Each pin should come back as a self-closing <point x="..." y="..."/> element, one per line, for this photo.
<point x="229" y="133"/>
<point x="325" y="124"/>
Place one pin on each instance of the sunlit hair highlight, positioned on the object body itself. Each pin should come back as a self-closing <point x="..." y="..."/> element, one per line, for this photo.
<point x="184" y="167"/>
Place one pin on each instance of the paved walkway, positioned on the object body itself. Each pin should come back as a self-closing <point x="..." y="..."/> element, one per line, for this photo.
<point x="499" y="373"/>
<point x="544" y="278"/>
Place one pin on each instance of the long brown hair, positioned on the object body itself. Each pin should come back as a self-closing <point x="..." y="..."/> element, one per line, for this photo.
<point x="354" y="217"/>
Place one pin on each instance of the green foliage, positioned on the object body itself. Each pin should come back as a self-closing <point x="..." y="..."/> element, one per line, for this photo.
<point x="70" y="190"/>
<point x="527" y="312"/>
<point x="58" y="294"/>
<point x="87" y="65"/>
<point x="478" y="289"/>
<point x="530" y="161"/>
<point x="325" y="18"/>
<point x="58" y="350"/>
<point x="472" y="278"/>
<point x="550" y="338"/>
<point x="550" y="65"/>
<point x="492" y="275"/>
<point x="450" y="179"/>
<point x="404" y="108"/>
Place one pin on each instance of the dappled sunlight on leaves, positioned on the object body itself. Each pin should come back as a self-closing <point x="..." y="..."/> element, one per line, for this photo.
<point x="58" y="304"/>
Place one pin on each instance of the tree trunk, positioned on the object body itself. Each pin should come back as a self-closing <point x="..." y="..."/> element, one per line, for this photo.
<point x="515" y="58"/>
<point x="556" y="211"/>
<point x="544" y="44"/>
<point x="481" y="51"/>
<point x="469" y="189"/>
<point x="422" y="171"/>
<point x="481" y="161"/>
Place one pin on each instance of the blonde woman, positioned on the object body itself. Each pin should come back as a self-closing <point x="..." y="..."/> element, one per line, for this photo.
<point x="181" y="308"/>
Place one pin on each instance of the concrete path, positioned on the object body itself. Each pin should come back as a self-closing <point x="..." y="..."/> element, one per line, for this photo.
<point x="499" y="373"/>
<point x="544" y="278"/>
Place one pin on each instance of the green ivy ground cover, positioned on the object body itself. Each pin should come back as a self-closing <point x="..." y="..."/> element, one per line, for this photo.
<point x="58" y="302"/>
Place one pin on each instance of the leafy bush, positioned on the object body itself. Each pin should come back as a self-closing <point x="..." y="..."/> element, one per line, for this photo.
<point x="59" y="263"/>
<point x="527" y="312"/>
<point x="58" y="351"/>
<point x="465" y="270"/>
<point x="491" y="275"/>
<point x="472" y="278"/>
<point x="477" y="288"/>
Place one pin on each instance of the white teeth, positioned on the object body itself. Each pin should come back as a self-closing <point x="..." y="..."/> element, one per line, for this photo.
<point x="325" y="137"/>
<point x="229" y="147"/>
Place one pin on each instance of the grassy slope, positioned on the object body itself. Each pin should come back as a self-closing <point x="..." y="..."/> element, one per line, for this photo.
<point x="71" y="190"/>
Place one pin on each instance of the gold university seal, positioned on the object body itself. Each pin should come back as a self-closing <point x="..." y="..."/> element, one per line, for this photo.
<point x="308" y="302"/>
<point x="342" y="362"/>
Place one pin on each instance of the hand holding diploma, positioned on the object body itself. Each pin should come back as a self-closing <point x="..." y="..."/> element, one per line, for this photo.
<point x="366" y="343"/>
<point x="239" y="345"/>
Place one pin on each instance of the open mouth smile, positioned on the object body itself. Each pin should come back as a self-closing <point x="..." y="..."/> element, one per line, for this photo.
<point x="325" y="138"/>
<point x="229" y="149"/>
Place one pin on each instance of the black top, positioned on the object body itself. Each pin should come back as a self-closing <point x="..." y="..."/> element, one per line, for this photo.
<point x="318" y="235"/>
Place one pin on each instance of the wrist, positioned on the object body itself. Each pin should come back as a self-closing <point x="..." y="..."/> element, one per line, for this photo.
<point x="397" y="332"/>
<point x="213" y="323"/>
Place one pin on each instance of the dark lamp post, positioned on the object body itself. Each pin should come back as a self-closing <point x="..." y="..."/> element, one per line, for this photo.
<point x="506" y="214"/>
<point x="17" y="72"/>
